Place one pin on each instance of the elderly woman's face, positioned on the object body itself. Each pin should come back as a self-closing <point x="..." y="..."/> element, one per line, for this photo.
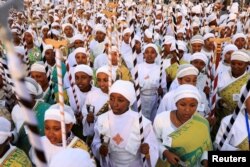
<point x="150" y="55"/>
<point x="119" y="104"/>
<point x="81" y="58"/>
<point x="53" y="132"/>
<point x="186" y="107"/>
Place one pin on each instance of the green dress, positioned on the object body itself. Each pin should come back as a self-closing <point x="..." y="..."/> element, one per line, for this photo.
<point x="34" y="55"/>
<point x="23" y="141"/>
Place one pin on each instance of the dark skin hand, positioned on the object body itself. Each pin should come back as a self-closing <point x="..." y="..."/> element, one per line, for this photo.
<point x="103" y="150"/>
<point x="79" y="117"/>
<point x="90" y="117"/>
<point x="206" y="90"/>
<point x="171" y="157"/>
<point x="144" y="148"/>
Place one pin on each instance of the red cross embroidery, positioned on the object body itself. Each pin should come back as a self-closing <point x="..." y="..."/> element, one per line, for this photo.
<point x="118" y="139"/>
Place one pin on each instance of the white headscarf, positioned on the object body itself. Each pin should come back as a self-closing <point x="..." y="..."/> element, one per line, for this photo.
<point x="241" y="56"/>
<point x="73" y="157"/>
<point x="5" y="128"/>
<point x="187" y="91"/>
<point x="83" y="68"/>
<point x="33" y="87"/>
<point x="126" y="89"/>
<point x="186" y="69"/>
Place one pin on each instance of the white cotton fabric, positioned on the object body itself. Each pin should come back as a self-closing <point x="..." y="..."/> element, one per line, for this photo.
<point x="5" y="128"/>
<point x="187" y="91"/>
<point x="83" y="68"/>
<point x="126" y="89"/>
<point x="72" y="157"/>
<point x="186" y="69"/>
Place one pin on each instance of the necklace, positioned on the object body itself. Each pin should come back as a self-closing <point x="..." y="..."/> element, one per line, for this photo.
<point x="178" y="118"/>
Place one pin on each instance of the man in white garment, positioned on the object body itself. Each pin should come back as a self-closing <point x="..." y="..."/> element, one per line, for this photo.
<point x="97" y="45"/>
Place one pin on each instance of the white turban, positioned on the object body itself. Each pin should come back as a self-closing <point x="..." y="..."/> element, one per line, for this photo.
<point x="78" y="37"/>
<point x="101" y="28"/>
<point x="182" y="45"/>
<point x="126" y="89"/>
<point x="186" y="69"/>
<point x="197" y="39"/>
<point x="208" y="35"/>
<point x="79" y="50"/>
<point x="148" y="33"/>
<point x="55" y="24"/>
<point x="54" y="114"/>
<point x="31" y="32"/>
<point x="227" y="48"/>
<point x="83" y="68"/>
<point x="187" y="91"/>
<point x="241" y="56"/>
<point x="38" y="67"/>
<point x="169" y="39"/>
<point x="195" y="24"/>
<point x="19" y="50"/>
<point x="73" y="157"/>
<point x="5" y="128"/>
<point x="47" y="47"/>
<point x="33" y="87"/>
<point x="105" y="69"/>
<point x="66" y="25"/>
<point x="211" y="17"/>
<point x="238" y="35"/>
<point x="127" y="30"/>
<point x="199" y="56"/>
<point x="151" y="45"/>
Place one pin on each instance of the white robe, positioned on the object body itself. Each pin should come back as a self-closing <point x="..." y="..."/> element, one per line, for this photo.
<point x="97" y="99"/>
<point x="96" y="48"/>
<point x="167" y="103"/>
<point x="126" y="153"/>
<point x="127" y="55"/>
<point x="236" y="136"/>
<point x="81" y="96"/>
<point x="164" y="127"/>
<point x="101" y="60"/>
<point x="149" y="76"/>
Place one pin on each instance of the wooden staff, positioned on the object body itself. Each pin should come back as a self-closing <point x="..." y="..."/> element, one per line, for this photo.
<point x="219" y="42"/>
<point x="57" y="45"/>
<point x="175" y="35"/>
<point x="25" y="100"/>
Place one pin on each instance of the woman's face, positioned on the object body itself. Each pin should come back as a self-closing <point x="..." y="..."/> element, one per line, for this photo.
<point x="186" y="107"/>
<point x="150" y="55"/>
<point x="50" y="57"/>
<point x="81" y="58"/>
<point x="103" y="82"/>
<point x="199" y="64"/>
<point x="188" y="79"/>
<point x="40" y="78"/>
<point x="53" y="131"/>
<point x="196" y="47"/>
<point x="238" y="67"/>
<point x="78" y="43"/>
<point x="83" y="81"/>
<point x="119" y="104"/>
<point x="240" y="43"/>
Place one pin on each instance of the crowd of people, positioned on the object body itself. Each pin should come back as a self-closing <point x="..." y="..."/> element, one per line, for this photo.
<point x="144" y="83"/>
